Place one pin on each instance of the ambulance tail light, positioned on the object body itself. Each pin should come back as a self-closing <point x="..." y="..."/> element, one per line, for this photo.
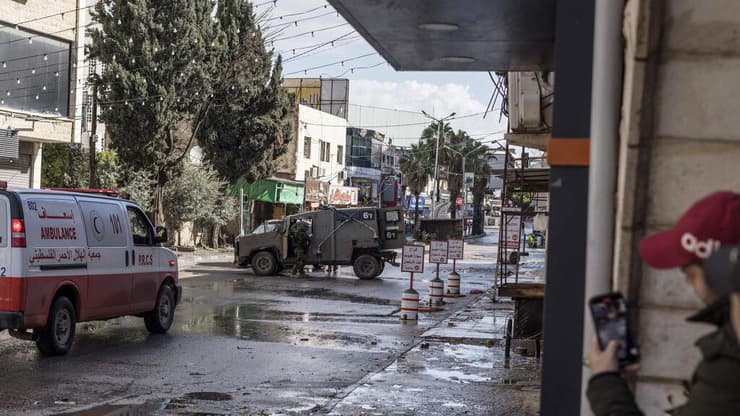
<point x="18" y="233"/>
<point x="172" y="263"/>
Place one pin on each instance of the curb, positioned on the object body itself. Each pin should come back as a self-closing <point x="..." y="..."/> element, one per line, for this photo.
<point x="187" y="260"/>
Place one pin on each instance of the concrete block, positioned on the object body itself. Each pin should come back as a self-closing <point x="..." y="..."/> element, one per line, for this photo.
<point x="667" y="343"/>
<point x="667" y="288"/>
<point x="698" y="98"/>
<point x="684" y="171"/>
<point x="655" y="398"/>
<point x="702" y="27"/>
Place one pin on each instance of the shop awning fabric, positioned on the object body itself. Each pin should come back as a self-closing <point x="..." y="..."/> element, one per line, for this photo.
<point x="271" y="190"/>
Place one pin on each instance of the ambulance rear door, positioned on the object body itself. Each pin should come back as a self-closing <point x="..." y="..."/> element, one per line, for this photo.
<point x="5" y="253"/>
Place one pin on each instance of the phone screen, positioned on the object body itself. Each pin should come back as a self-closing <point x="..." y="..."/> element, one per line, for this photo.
<point x="611" y="320"/>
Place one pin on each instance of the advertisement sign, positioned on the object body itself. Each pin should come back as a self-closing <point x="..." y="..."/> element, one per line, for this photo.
<point x="438" y="252"/>
<point x="413" y="205"/>
<point x="512" y="228"/>
<point x="343" y="195"/>
<point x="316" y="191"/>
<point x="455" y="249"/>
<point x="469" y="179"/>
<point x="412" y="258"/>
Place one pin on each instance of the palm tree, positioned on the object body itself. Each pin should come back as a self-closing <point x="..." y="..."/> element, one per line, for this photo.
<point x="482" y="172"/>
<point x="428" y="143"/>
<point x="416" y="168"/>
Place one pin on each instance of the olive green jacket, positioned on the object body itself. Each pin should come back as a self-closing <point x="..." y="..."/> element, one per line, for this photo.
<point x="714" y="387"/>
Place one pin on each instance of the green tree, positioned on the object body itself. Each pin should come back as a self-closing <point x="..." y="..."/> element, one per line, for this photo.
<point x="159" y="59"/>
<point x="64" y="165"/>
<point x="248" y="127"/>
<point x="428" y="142"/>
<point x="191" y="195"/>
<point x="138" y="185"/>
<point x="416" y="170"/>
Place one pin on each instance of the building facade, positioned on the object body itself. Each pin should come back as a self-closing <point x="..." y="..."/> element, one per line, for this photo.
<point x="42" y="82"/>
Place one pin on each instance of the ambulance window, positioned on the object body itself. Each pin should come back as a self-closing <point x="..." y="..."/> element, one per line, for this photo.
<point x="141" y="230"/>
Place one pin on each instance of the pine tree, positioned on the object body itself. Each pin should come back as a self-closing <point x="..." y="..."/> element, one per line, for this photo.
<point x="247" y="129"/>
<point x="159" y="58"/>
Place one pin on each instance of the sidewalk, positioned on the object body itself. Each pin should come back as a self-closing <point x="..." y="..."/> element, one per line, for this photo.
<point x="457" y="368"/>
<point x="190" y="258"/>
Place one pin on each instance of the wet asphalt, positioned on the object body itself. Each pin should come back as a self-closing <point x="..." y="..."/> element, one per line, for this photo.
<point x="240" y="344"/>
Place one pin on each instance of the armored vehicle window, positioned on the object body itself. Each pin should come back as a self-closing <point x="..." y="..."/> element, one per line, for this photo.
<point x="392" y="216"/>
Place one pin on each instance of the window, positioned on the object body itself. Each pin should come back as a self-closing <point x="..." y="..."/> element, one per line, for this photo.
<point x="340" y="154"/>
<point x="325" y="151"/>
<point x="141" y="229"/>
<point x="307" y="147"/>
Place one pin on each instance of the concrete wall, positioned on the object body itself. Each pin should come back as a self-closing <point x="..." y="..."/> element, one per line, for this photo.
<point x="680" y="140"/>
<point x="320" y="126"/>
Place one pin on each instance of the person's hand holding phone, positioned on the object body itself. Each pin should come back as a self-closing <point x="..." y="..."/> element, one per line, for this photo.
<point x="603" y="361"/>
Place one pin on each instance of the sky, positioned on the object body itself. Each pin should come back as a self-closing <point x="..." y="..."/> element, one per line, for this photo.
<point x="373" y="81"/>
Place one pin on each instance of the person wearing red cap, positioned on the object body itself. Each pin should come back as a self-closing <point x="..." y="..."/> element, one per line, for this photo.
<point x="711" y="223"/>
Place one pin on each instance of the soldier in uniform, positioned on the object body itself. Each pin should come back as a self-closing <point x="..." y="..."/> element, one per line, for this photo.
<point x="301" y="240"/>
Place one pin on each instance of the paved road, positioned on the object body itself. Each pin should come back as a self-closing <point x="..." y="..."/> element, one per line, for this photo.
<point x="240" y="344"/>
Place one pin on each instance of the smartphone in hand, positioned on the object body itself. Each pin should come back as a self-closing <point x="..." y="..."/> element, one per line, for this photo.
<point x="609" y="312"/>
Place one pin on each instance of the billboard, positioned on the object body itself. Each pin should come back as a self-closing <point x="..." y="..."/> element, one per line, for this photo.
<point x="343" y="195"/>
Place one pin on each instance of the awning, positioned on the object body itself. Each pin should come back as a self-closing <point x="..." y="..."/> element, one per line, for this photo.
<point x="461" y="35"/>
<point x="272" y="190"/>
<point x="525" y="180"/>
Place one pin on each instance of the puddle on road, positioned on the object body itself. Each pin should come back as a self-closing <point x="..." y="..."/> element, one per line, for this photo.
<point x="190" y="400"/>
<point x="460" y="363"/>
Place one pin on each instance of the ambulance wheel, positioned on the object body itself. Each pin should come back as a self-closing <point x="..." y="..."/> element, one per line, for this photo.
<point x="367" y="267"/>
<point x="57" y="336"/>
<point x="264" y="263"/>
<point x="159" y="320"/>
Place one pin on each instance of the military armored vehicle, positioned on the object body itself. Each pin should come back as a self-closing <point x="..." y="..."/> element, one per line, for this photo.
<point x="365" y="238"/>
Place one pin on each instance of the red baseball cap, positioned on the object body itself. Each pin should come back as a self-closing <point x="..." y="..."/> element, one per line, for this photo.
<point x="710" y="223"/>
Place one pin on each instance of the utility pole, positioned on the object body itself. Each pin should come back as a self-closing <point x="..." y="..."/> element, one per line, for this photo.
<point x="93" y="182"/>
<point x="464" y="156"/>
<point x="436" y="156"/>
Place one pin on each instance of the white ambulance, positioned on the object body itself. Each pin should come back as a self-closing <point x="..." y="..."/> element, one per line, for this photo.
<point x="68" y="257"/>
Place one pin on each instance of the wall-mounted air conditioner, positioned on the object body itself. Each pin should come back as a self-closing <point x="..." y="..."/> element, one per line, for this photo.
<point x="530" y="101"/>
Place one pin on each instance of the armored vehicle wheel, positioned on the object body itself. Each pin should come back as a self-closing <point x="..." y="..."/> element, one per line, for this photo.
<point x="367" y="267"/>
<point x="264" y="263"/>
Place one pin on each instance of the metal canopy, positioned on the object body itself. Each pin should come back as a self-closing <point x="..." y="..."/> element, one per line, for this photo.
<point x="526" y="180"/>
<point x="461" y="35"/>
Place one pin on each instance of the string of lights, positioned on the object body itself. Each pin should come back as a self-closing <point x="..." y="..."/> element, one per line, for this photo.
<point x="358" y="68"/>
<point x="310" y="32"/>
<point x="332" y="63"/>
<point x="297" y="14"/>
<point x="331" y="42"/>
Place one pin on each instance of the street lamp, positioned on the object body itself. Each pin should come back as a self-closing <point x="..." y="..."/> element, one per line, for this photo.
<point x="465" y="189"/>
<point x="436" y="156"/>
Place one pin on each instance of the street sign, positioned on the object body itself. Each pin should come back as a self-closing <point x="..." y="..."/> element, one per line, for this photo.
<point x="412" y="258"/>
<point x="455" y="249"/>
<point x="438" y="252"/>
